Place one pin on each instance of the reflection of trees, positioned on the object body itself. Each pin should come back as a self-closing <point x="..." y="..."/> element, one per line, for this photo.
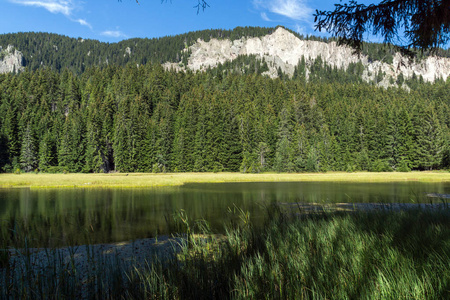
<point x="79" y="216"/>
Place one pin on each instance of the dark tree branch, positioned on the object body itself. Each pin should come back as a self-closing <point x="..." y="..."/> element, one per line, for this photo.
<point x="201" y="5"/>
<point x="424" y="23"/>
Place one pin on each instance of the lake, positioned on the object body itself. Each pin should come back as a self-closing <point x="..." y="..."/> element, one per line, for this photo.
<point x="75" y="216"/>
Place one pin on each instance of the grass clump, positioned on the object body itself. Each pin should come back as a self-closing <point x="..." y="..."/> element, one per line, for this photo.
<point x="364" y="255"/>
<point x="367" y="255"/>
<point x="384" y="254"/>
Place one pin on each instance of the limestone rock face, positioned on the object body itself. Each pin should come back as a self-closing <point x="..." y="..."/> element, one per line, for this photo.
<point x="10" y="60"/>
<point x="282" y="49"/>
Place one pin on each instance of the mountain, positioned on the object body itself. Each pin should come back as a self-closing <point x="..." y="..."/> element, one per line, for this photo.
<point x="59" y="52"/>
<point x="277" y="49"/>
<point x="11" y="60"/>
<point x="84" y="106"/>
<point x="283" y="50"/>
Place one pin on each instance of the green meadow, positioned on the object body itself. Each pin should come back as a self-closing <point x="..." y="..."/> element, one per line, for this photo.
<point x="129" y="180"/>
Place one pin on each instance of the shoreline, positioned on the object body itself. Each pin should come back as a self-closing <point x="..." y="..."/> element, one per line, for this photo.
<point x="336" y="246"/>
<point x="138" y="249"/>
<point x="83" y="261"/>
<point x="143" y="250"/>
<point x="156" y="180"/>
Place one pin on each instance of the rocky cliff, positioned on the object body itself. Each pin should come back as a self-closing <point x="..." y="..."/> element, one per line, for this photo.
<point x="283" y="50"/>
<point x="11" y="60"/>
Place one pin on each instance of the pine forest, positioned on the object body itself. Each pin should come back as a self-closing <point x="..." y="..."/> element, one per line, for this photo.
<point x="147" y="119"/>
<point x="85" y="106"/>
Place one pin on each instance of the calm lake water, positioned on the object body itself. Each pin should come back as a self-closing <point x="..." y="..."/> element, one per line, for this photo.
<point x="111" y="215"/>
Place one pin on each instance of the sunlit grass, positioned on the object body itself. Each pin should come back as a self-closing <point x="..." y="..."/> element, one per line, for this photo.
<point x="132" y="180"/>
<point x="365" y="255"/>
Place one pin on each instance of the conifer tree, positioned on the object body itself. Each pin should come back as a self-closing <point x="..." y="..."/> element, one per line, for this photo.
<point x="46" y="152"/>
<point x="28" y="153"/>
<point x="284" y="155"/>
<point x="120" y="143"/>
<point x="429" y="140"/>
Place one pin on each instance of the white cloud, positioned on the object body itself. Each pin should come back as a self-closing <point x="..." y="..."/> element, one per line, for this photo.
<point x="64" y="7"/>
<point x="113" y="33"/>
<point x="265" y="17"/>
<point x="53" y="6"/>
<point x="293" y="9"/>
<point x="83" y="22"/>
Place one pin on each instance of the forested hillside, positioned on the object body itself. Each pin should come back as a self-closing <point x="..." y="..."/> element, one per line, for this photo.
<point x="147" y="119"/>
<point x="57" y="52"/>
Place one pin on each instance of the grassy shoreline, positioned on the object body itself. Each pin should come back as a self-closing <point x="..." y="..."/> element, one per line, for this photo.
<point x="365" y="255"/>
<point x="145" y="180"/>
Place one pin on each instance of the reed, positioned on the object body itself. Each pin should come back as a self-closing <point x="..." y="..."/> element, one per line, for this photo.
<point x="385" y="254"/>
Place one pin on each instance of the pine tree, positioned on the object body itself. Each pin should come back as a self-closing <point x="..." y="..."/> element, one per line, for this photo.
<point x="393" y="140"/>
<point x="4" y="151"/>
<point x="64" y="151"/>
<point x="406" y="148"/>
<point x="47" y="150"/>
<point x="163" y="122"/>
<point x="120" y="143"/>
<point x="429" y="140"/>
<point x="10" y="128"/>
<point x="28" y="153"/>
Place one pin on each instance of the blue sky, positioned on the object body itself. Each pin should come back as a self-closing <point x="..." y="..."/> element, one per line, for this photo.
<point x="113" y="21"/>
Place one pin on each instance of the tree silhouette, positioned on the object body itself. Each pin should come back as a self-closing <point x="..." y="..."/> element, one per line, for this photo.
<point x="201" y="4"/>
<point x="425" y="24"/>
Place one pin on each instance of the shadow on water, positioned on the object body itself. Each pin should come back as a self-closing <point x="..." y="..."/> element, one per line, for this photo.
<point x="57" y="217"/>
<point x="301" y="250"/>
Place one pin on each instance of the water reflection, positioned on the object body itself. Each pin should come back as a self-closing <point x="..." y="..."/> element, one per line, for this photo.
<point x="62" y="216"/>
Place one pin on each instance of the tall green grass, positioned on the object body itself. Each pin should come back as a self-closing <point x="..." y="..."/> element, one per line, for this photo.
<point x="360" y="255"/>
<point x="363" y="255"/>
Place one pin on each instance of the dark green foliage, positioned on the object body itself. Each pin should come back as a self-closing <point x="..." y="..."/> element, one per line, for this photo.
<point x="28" y="154"/>
<point x="243" y="64"/>
<point x="144" y="119"/>
<point x="429" y="138"/>
<point x="58" y="52"/>
<point x="425" y="23"/>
